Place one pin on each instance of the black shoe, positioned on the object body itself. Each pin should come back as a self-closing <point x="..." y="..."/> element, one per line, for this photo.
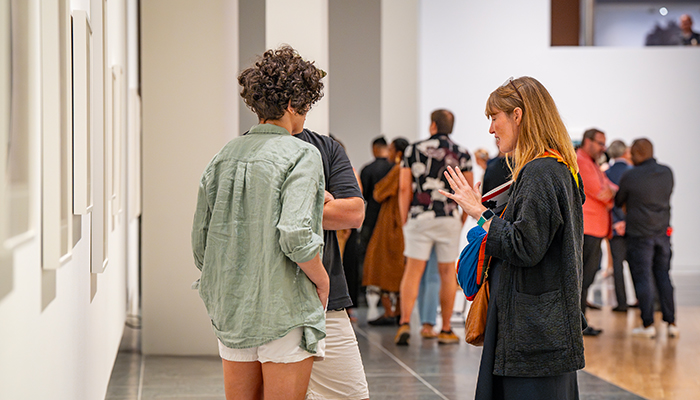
<point x="635" y="305"/>
<point x="620" y="309"/>
<point x="383" y="321"/>
<point x="592" y="306"/>
<point x="591" y="331"/>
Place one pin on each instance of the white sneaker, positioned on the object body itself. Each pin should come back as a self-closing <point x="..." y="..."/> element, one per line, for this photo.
<point x="648" y="332"/>
<point x="673" y="331"/>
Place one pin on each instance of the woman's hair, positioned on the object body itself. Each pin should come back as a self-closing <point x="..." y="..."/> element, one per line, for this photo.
<point x="400" y="144"/>
<point x="281" y="78"/>
<point x="541" y="127"/>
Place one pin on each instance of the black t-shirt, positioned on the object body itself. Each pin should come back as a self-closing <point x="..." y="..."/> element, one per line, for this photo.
<point x="646" y="191"/>
<point x="370" y="175"/>
<point x="342" y="184"/>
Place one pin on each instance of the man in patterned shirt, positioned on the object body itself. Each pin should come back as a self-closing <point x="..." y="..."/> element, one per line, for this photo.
<point x="431" y="219"/>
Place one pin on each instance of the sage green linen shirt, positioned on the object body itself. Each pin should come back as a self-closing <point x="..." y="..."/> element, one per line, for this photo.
<point x="259" y="212"/>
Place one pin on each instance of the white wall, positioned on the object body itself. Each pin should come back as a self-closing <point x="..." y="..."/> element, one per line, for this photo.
<point x="61" y="329"/>
<point x="400" y="70"/>
<point x="188" y="58"/>
<point x="355" y="60"/>
<point x="469" y="49"/>
<point x="303" y="24"/>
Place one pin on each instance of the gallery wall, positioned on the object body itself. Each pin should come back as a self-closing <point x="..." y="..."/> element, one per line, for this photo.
<point x="63" y="315"/>
<point x="189" y="59"/>
<point x="469" y="49"/>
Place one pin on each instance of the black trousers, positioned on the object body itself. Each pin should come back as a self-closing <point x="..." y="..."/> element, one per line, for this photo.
<point x="591" y="264"/>
<point x="649" y="259"/>
<point x="618" y="250"/>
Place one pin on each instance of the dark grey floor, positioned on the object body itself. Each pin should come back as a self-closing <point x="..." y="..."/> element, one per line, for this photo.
<point x="423" y="370"/>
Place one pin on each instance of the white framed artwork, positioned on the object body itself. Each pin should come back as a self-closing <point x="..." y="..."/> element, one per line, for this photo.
<point x="100" y="211"/>
<point x="18" y="145"/>
<point x="117" y="138"/>
<point x="6" y="267"/>
<point x="82" y="113"/>
<point x="66" y="74"/>
<point x="134" y="154"/>
<point x="50" y="135"/>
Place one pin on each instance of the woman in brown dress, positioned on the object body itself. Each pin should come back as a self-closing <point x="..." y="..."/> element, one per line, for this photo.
<point x="384" y="261"/>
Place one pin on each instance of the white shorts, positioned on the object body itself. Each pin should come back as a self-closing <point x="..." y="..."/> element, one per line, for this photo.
<point x="340" y="375"/>
<point x="285" y="350"/>
<point x="421" y="234"/>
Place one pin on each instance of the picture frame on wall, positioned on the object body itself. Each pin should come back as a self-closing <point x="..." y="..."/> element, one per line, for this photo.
<point x="57" y="134"/>
<point x="68" y="239"/>
<point x="53" y="116"/>
<point x="90" y="151"/>
<point x="6" y="267"/>
<point x="18" y="146"/>
<point x="117" y="139"/>
<point x="100" y="215"/>
<point x="134" y="161"/>
<point x="82" y="113"/>
<point x="113" y="143"/>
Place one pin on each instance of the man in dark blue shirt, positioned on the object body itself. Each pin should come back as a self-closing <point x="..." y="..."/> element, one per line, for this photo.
<point x="620" y="154"/>
<point x="645" y="193"/>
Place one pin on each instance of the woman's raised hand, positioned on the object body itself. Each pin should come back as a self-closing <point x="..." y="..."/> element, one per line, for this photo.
<point x="467" y="197"/>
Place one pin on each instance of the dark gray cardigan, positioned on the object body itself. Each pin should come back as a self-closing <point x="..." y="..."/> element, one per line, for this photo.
<point x="540" y="240"/>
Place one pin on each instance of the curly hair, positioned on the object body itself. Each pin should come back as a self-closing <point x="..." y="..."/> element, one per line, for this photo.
<point x="280" y="78"/>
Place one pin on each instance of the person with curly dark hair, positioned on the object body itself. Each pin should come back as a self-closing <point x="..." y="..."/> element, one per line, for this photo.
<point x="257" y="237"/>
<point x="281" y="79"/>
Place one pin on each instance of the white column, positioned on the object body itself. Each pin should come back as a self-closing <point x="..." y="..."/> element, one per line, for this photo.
<point x="186" y="110"/>
<point x="399" y="74"/>
<point x="303" y="24"/>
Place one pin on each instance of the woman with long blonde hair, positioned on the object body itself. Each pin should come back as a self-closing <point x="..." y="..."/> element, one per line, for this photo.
<point x="533" y="342"/>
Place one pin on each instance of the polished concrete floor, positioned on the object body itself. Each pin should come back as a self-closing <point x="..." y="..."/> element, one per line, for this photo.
<point x="423" y="370"/>
<point x="426" y="370"/>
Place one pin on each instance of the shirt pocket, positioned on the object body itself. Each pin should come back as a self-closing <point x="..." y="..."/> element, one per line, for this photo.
<point x="540" y="324"/>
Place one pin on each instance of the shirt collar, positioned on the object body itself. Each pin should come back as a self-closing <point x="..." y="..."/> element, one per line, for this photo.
<point x="268" y="128"/>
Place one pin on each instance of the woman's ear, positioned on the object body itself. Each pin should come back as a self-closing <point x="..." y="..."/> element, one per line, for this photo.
<point x="518" y="115"/>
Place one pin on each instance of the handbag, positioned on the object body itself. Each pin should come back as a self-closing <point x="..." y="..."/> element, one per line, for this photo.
<point x="475" y="325"/>
<point x="473" y="263"/>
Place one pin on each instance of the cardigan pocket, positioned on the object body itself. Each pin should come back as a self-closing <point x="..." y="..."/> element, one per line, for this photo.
<point x="539" y="324"/>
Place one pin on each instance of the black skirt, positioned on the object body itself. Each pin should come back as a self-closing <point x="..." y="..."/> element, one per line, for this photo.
<point x="492" y="387"/>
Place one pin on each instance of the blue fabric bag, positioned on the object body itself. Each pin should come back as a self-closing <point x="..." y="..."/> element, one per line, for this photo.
<point x="472" y="265"/>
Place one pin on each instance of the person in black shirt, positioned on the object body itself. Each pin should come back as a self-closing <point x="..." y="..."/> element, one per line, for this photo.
<point x="645" y="192"/>
<point x="496" y="173"/>
<point x="369" y="176"/>
<point x="343" y="209"/>
<point x="620" y="154"/>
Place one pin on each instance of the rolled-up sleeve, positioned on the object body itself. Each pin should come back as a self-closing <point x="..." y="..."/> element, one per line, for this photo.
<point x="302" y="208"/>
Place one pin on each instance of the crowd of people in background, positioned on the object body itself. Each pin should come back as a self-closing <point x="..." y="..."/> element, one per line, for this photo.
<point x="282" y="336"/>
<point x="601" y="169"/>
